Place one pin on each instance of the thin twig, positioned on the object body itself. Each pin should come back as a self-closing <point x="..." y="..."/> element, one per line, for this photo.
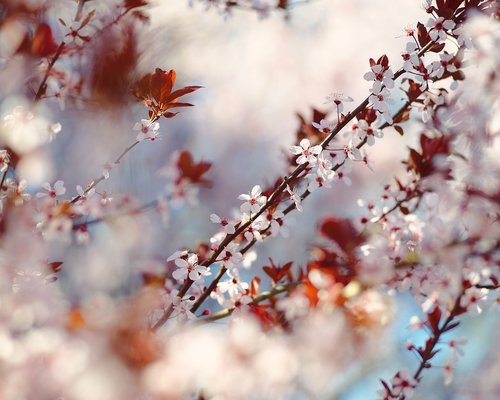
<point x="96" y="181"/>
<point x="258" y="299"/>
<point x="41" y="87"/>
<point x="424" y="363"/>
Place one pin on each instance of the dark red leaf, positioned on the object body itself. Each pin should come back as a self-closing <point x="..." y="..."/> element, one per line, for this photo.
<point x="192" y="171"/>
<point x="422" y="35"/>
<point x="436" y="48"/>
<point x="180" y="92"/>
<point x="452" y="326"/>
<point x="43" y="44"/>
<point x="399" y="129"/>
<point x="383" y="61"/>
<point x="55" y="266"/>
<point x="343" y="232"/>
<point x="433" y="319"/>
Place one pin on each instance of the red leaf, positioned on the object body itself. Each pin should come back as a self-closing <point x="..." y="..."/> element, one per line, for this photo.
<point x="131" y="4"/>
<point x="368" y="114"/>
<point x="433" y="146"/>
<point x="423" y="36"/>
<point x="156" y="90"/>
<point x="433" y="319"/>
<point x="169" y="114"/>
<point x="436" y="48"/>
<point x="343" y="232"/>
<point x="383" y="61"/>
<point x="161" y="84"/>
<point x="192" y="171"/>
<point x="415" y="162"/>
<point x="180" y="92"/>
<point x="254" y="287"/>
<point x="276" y="273"/>
<point x="43" y="44"/>
<point x="399" y="129"/>
<point x="56" y="266"/>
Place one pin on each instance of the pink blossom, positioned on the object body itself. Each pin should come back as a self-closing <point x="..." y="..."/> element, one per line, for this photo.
<point x="338" y="99"/>
<point x="53" y="192"/>
<point x="227" y="225"/>
<point x="403" y="384"/>
<point x="307" y="154"/>
<point x="438" y="27"/>
<point x="253" y="201"/>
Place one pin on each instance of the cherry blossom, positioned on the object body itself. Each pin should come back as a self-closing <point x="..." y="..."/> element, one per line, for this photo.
<point x="53" y="192"/>
<point x="253" y="231"/>
<point x="380" y="100"/>
<point x="295" y="197"/>
<point x="147" y="130"/>
<point x="78" y="32"/>
<point x="189" y="268"/>
<point x="317" y="181"/>
<point x="307" y="154"/>
<point x="473" y="300"/>
<point x="182" y="310"/>
<point x="277" y="222"/>
<point x="349" y="153"/>
<point x="456" y="344"/>
<point x="324" y="126"/>
<point x="239" y="302"/>
<point x="343" y="177"/>
<point x="410" y="56"/>
<point x="365" y="131"/>
<point x="226" y="225"/>
<point x="178" y="254"/>
<point x="447" y="63"/>
<point x="403" y="384"/>
<point x="338" y="99"/>
<point x="381" y="75"/>
<point x="416" y="323"/>
<point x="253" y="201"/>
<point x="438" y="27"/>
<point x="231" y="257"/>
<point x="182" y="192"/>
<point x="233" y="286"/>
<point x="107" y="167"/>
<point x="58" y="229"/>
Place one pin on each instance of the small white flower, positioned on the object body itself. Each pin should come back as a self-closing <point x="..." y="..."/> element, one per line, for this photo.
<point x="178" y="254"/>
<point x="338" y="99"/>
<point x="456" y="346"/>
<point x="410" y="56"/>
<point x="253" y="231"/>
<point x="365" y="131"/>
<point x="182" y="310"/>
<point x="295" y="197"/>
<point x="253" y="201"/>
<point x="403" y="384"/>
<point x="189" y="268"/>
<point x="227" y="225"/>
<point x="473" y="300"/>
<point x="53" y="192"/>
<point x="307" y="153"/>
<point x="147" y="130"/>
<point x="438" y="28"/>
<point x="324" y="126"/>
<point x="380" y="75"/>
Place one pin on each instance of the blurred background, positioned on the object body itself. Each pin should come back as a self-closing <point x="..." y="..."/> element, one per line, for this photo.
<point x="257" y="74"/>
